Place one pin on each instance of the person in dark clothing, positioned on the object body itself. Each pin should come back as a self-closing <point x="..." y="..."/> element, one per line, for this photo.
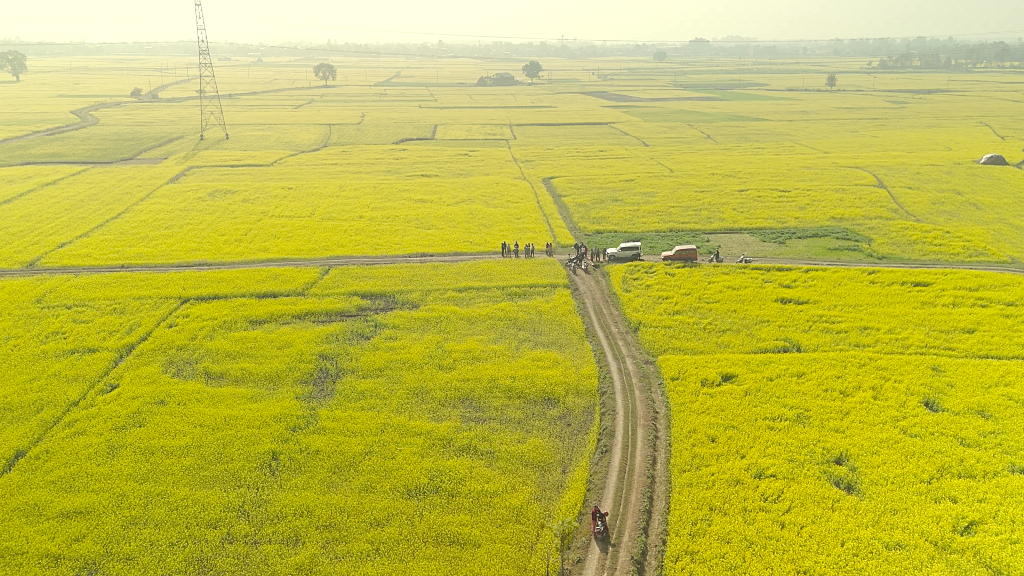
<point x="515" y="249"/>
<point x="596" y="515"/>
<point x="504" y="249"/>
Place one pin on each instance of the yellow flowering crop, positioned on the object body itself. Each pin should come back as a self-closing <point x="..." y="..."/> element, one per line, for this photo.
<point x="838" y="421"/>
<point x="240" y="422"/>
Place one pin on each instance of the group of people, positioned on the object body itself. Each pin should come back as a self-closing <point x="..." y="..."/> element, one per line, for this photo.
<point x="529" y="250"/>
<point x="585" y="252"/>
<point x="512" y="250"/>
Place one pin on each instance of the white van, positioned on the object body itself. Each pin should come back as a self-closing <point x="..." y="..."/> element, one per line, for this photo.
<point x="625" y="252"/>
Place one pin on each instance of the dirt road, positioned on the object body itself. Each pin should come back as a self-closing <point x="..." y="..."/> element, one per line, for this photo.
<point x="86" y="118"/>
<point x="307" y="263"/>
<point x="635" y="452"/>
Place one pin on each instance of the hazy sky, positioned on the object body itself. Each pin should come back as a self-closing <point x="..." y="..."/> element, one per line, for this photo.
<point x="642" y="20"/>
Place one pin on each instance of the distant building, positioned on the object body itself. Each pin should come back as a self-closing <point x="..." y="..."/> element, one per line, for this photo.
<point x="499" y="79"/>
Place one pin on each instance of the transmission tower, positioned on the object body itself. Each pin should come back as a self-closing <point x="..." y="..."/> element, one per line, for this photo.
<point x="209" y="98"/>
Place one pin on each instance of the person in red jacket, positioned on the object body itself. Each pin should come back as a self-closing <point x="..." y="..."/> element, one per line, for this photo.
<point x="595" y="515"/>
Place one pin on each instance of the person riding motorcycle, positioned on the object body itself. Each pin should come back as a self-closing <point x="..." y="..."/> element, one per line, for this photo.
<point x="597" y="516"/>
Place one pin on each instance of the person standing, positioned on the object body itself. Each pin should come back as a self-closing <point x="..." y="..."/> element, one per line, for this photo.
<point x="504" y="247"/>
<point x="515" y="248"/>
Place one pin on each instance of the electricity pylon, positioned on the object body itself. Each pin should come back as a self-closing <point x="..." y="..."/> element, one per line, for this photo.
<point x="209" y="98"/>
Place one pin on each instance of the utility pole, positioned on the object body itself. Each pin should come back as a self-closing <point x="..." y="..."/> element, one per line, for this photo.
<point x="209" y="97"/>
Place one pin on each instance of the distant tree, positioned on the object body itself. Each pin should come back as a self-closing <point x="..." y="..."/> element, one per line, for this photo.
<point x="532" y="69"/>
<point x="325" y="71"/>
<point x="660" y="56"/>
<point x="136" y="92"/>
<point x="14" y="62"/>
<point x="831" y="81"/>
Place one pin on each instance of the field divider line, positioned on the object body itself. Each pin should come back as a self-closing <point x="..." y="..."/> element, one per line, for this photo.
<point x="563" y="209"/>
<point x="536" y="194"/>
<point x="125" y="355"/>
<point x="127" y="208"/>
<point x="993" y="131"/>
<point x="41" y="186"/>
<point x="127" y="161"/>
<point x="658" y="162"/>
<point x="880" y="184"/>
<point x="326" y="141"/>
<point x="646" y="145"/>
<point x="706" y="135"/>
<point x="323" y="274"/>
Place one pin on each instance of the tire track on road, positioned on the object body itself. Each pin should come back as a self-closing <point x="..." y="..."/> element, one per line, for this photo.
<point x="625" y="485"/>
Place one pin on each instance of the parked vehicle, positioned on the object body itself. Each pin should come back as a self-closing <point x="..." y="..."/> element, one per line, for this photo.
<point x="626" y="252"/>
<point x="683" y="253"/>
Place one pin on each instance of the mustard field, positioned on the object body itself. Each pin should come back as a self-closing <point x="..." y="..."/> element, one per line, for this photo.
<point x="283" y="421"/>
<point x="838" y="421"/>
<point x="408" y="156"/>
<point x="443" y="418"/>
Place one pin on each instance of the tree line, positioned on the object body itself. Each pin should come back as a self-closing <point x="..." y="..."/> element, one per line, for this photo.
<point x="896" y="53"/>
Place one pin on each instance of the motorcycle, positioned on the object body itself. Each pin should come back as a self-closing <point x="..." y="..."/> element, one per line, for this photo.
<point x="715" y="258"/>
<point x="578" y="262"/>
<point x="744" y="259"/>
<point x="600" y="527"/>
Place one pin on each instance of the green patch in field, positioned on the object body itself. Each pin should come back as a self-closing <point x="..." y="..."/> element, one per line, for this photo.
<point x="785" y="235"/>
<point x="657" y="114"/>
<point x="811" y="244"/>
<point x="654" y="243"/>
<point x="721" y="85"/>
<point x="742" y="95"/>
